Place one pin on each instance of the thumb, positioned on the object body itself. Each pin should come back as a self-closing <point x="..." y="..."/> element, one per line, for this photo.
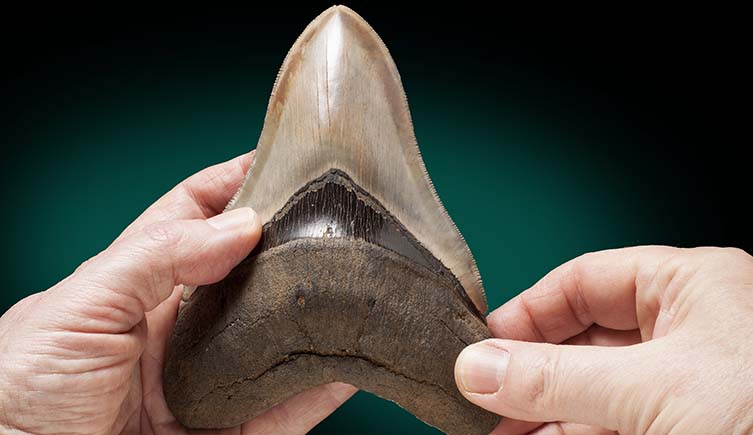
<point x="544" y="382"/>
<point x="113" y="290"/>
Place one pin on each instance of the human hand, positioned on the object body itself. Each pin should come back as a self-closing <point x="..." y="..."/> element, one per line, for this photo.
<point x="647" y="340"/>
<point x="86" y="356"/>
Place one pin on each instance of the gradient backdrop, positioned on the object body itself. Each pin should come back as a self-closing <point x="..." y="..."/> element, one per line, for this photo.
<point x="546" y="135"/>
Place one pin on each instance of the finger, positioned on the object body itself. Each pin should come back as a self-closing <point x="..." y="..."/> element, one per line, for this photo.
<point x="114" y="290"/>
<point x="160" y="323"/>
<point x="156" y="416"/>
<point x="560" y="428"/>
<point x="544" y="382"/>
<point x="200" y="196"/>
<point x="511" y="426"/>
<point x="593" y="288"/>
<point x="599" y="336"/>
<point x="301" y="413"/>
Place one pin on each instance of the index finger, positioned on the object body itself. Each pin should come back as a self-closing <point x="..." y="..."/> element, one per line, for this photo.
<point x="595" y="288"/>
<point x="299" y="414"/>
<point x="200" y="196"/>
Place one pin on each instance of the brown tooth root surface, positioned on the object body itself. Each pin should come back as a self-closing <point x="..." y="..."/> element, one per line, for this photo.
<point x="337" y="290"/>
<point x="313" y="311"/>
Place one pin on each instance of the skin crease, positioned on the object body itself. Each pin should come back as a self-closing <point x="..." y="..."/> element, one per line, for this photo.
<point x="653" y="339"/>
<point x="86" y="356"/>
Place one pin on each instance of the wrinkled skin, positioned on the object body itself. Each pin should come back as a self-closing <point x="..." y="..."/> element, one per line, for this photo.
<point x="86" y="356"/>
<point x="638" y="340"/>
<point x="653" y="339"/>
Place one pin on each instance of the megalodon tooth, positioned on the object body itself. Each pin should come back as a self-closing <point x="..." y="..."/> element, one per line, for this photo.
<point x="361" y="276"/>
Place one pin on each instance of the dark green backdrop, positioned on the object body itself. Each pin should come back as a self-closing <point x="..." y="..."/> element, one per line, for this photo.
<point x="546" y="137"/>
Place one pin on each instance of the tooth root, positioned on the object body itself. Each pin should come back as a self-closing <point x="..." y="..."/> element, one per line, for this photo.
<point x="338" y="103"/>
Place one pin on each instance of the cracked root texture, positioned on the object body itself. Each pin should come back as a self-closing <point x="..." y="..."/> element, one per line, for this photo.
<point x="313" y="311"/>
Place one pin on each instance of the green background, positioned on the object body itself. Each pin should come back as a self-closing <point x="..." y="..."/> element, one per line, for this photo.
<point x="540" y="148"/>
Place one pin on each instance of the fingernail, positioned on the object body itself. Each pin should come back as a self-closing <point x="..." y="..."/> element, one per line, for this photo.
<point x="481" y="368"/>
<point x="237" y="219"/>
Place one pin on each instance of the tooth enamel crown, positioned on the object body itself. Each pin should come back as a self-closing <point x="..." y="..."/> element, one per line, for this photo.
<point x="338" y="103"/>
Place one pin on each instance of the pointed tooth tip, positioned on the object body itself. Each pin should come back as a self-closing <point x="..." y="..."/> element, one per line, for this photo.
<point x="340" y="9"/>
<point x="345" y="20"/>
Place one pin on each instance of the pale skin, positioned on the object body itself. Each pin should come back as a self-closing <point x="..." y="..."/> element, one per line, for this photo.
<point x="654" y="340"/>
<point x="86" y="356"/>
<point x="638" y="340"/>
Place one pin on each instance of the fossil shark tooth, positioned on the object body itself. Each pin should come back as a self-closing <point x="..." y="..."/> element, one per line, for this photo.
<point x="361" y="276"/>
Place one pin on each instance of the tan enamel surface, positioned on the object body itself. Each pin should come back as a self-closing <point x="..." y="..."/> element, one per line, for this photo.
<point x="338" y="103"/>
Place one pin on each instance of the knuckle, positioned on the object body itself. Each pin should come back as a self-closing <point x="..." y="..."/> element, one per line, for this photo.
<point x="585" y="257"/>
<point x="660" y="274"/>
<point x="736" y="254"/>
<point x="576" y="297"/>
<point x="163" y="234"/>
<point x="660" y="259"/>
<point x="542" y="381"/>
<point x="713" y="260"/>
<point x="86" y="265"/>
<point x="160" y="242"/>
<point x="729" y="268"/>
<point x="705" y="254"/>
<point x="579" y="265"/>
